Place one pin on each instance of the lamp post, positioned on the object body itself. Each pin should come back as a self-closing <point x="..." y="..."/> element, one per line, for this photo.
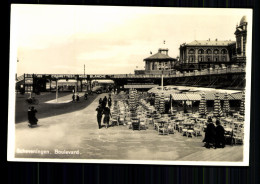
<point x="162" y="80"/>
<point x="57" y="90"/>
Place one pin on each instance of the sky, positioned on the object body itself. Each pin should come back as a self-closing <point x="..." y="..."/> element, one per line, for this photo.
<point x="61" y="39"/>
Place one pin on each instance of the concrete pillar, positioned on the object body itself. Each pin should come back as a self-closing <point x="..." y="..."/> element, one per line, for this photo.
<point x="196" y="55"/>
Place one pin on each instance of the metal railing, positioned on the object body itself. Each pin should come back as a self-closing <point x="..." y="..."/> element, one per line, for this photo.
<point x="122" y="76"/>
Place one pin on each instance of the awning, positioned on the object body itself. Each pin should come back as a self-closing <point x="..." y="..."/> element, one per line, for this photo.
<point x="179" y="96"/>
<point x="193" y="97"/>
<point x="210" y="96"/>
<point x="236" y="96"/>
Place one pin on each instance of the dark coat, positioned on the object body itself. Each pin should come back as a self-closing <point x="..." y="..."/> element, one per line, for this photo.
<point x="32" y="116"/>
<point x="107" y="114"/>
<point x="220" y="134"/>
<point x="210" y="133"/>
<point x="99" y="111"/>
<point x="104" y="102"/>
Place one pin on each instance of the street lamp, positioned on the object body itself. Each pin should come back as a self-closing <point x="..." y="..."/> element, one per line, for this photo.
<point x="57" y="89"/>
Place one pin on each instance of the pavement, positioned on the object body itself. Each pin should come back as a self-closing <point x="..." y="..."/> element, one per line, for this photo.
<point x="75" y="135"/>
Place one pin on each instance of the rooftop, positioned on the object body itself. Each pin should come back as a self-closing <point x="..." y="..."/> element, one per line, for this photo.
<point x="210" y="43"/>
<point x="159" y="56"/>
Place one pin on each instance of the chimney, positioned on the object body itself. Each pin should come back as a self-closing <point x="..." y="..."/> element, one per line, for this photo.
<point x="209" y="39"/>
<point x="216" y="39"/>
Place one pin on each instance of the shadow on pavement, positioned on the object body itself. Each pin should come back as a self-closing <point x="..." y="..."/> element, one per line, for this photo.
<point x="48" y="109"/>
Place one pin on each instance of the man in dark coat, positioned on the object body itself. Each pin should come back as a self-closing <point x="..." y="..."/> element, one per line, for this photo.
<point x="32" y="116"/>
<point x="209" y="134"/>
<point x="220" y="138"/>
<point x="104" y="102"/>
<point x="99" y="115"/>
<point x="107" y="114"/>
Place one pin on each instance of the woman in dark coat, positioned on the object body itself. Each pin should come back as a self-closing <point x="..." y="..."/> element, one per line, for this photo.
<point x="209" y="134"/>
<point x="220" y="138"/>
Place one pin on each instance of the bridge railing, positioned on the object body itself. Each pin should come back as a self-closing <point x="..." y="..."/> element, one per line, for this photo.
<point x="118" y="76"/>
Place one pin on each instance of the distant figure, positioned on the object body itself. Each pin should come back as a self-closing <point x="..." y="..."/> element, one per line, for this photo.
<point x="109" y="101"/>
<point x="99" y="115"/>
<point x="32" y="116"/>
<point x="100" y="101"/>
<point x="220" y="138"/>
<point x="104" y="102"/>
<point x="107" y="116"/>
<point x="210" y="134"/>
<point x="77" y="97"/>
<point x="86" y="95"/>
<point x="73" y="97"/>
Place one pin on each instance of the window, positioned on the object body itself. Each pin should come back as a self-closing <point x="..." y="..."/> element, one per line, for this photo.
<point x="201" y="51"/>
<point x="216" y="59"/>
<point x="191" y="51"/>
<point x="209" y="51"/>
<point x="200" y="58"/>
<point x="191" y="59"/>
<point x="208" y="58"/>
<point x="216" y="51"/>
<point x="223" y="51"/>
<point x="223" y="58"/>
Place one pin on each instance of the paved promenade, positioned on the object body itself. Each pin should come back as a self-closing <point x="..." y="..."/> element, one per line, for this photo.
<point x="78" y="133"/>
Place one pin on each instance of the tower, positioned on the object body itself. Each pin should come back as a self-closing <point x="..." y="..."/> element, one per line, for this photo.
<point x="241" y="36"/>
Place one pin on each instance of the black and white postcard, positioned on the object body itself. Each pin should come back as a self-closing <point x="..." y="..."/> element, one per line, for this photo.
<point x="130" y="85"/>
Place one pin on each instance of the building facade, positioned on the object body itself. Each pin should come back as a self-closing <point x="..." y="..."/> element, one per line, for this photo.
<point x="203" y="54"/>
<point x="158" y="63"/>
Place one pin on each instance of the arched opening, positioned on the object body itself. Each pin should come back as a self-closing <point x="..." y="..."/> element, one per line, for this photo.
<point x="201" y="51"/>
<point x="209" y="51"/>
<point x="216" y="51"/>
<point x="191" y="51"/>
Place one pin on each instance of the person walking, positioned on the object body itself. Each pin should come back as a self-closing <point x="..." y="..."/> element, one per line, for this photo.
<point x="107" y="116"/>
<point x="73" y="97"/>
<point x="32" y="116"/>
<point x="109" y="101"/>
<point x="99" y="115"/>
<point x="209" y="134"/>
<point x="77" y="97"/>
<point x="104" y="102"/>
<point x="220" y="138"/>
<point x="100" y="101"/>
